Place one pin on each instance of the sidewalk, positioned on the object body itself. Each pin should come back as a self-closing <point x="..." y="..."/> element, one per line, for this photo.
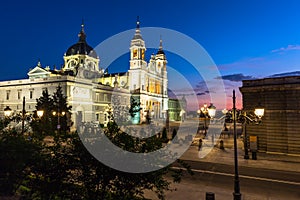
<point x="226" y="156"/>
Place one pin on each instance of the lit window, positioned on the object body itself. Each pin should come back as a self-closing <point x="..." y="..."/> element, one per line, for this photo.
<point x="135" y="53"/>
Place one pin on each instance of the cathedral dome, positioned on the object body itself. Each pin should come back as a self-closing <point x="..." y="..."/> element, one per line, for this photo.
<point x="81" y="47"/>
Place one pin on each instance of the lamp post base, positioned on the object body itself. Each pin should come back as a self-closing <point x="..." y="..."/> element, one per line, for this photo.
<point x="237" y="196"/>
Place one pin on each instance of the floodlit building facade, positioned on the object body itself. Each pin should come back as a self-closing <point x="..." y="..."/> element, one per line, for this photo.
<point x="90" y="90"/>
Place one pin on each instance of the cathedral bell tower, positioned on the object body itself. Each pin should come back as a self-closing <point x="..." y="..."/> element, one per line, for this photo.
<point x="161" y="68"/>
<point x="137" y="49"/>
<point x="161" y="60"/>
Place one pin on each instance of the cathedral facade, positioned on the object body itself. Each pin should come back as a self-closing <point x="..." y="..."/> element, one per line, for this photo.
<point x="90" y="90"/>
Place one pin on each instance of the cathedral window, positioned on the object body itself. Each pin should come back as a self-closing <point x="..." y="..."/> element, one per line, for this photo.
<point x="97" y="97"/>
<point x="143" y="54"/>
<point x="31" y="94"/>
<point x="7" y="94"/>
<point x="135" y="53"/>
<point x="105" y="97"/>
<point x="19" y="94"/>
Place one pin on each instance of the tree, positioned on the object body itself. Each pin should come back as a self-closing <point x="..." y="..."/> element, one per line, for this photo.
<point x="64" y="169"/>
<point x="135" y="108"/>
<point x="17" y="156"/>
<point x="45" y="123"/>
<point x="62" y="109"/>
<point x="107" y="183"/>
<point x="164" y="136"/>
<point x="3" y="123"/>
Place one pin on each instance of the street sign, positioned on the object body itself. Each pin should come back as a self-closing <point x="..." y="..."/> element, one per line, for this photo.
<point x="253" y="142"/>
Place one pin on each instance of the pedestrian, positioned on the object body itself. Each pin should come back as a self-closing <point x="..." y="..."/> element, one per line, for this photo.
<point x="200" y="144"/>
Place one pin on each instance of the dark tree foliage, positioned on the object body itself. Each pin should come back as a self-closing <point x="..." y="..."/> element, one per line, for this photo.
<point x="58" y="166"/>
<point x="60" y="105"/>
<point x="45" y="124"/>
<point x="18" y="155"/>
<point x="135" y="106"/>
<point x="164" y="136"/>
<point x="55" y="104"/>
<point x="3" y="123"/>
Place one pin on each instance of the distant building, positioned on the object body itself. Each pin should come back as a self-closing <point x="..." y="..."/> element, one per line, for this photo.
<point x="177" y="109"/>
<point x="90" y="90"/>
<point x="279" y="131"/>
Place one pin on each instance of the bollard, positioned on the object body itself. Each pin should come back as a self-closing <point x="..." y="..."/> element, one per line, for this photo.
<point x="221" y="144"/>
<point x="210" y="196"/>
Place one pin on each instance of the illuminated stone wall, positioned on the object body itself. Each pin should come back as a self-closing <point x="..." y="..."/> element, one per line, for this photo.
<point x="279" y="131"/>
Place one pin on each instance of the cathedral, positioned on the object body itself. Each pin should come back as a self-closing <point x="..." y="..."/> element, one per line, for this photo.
<point x="90" y="90"/>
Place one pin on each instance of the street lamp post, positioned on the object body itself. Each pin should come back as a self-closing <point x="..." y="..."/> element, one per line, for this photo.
<point x="259" y="113"/>
<point x="23" y="115"/>
<point x="40" y="113"/>
<point x="246" y="156"/>
<point x="207" y="111"/>
<point x="204" y="111"/>
<point x="246" y="118"/>
<point x="7" y="111"/>
<point x="236" y="194"/>
<point x="59" y="114"/>
<point x="211" y="110"/>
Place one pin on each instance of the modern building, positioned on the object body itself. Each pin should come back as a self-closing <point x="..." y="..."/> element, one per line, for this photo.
<point x="90" y="90"/>
<point x="280" y="127"/>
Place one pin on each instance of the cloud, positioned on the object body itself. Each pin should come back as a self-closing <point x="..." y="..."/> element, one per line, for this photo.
<point x="294" y="73"/>
<point x="202" y="93"/>
<point x="288" y="48"/>
<point x="235" y="77"/>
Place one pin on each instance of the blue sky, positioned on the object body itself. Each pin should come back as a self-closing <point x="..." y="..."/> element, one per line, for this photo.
<point x="244" y="38"/>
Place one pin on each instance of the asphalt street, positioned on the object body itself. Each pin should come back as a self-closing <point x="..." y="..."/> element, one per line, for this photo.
<point x="255" y="183"/>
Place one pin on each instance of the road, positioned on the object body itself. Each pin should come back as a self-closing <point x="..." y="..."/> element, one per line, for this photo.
<point x="216" y="175"/>
<point x="255" y="183"/>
